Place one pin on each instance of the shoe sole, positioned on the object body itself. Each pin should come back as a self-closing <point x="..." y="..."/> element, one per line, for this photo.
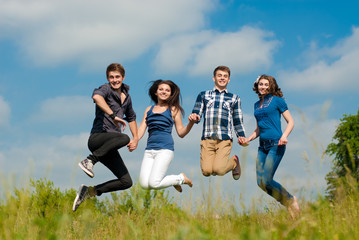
<point x="74" y="205"/>
<point x="76" y="199"/>
<point x="91" y="175"/>
<point x="236" y="176"/>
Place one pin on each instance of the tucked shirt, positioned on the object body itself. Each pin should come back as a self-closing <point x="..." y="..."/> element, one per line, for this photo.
<point x="268" y="117"/>
<point x="221" y="113"/>
<point x="103" y="122"/>
<point x="159" y="130"/>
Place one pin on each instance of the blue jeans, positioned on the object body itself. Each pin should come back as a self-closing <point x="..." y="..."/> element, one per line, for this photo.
<point x="269" y="157"/>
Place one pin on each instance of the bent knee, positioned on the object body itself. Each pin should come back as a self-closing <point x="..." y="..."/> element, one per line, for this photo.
<point x="127" y="183"/>
<point x="154" y="184"/>
<point x="264" y="185"/>
<point x="206" y="173"/>
<point x="144" y="184"/>
<point x="219" y="172"/>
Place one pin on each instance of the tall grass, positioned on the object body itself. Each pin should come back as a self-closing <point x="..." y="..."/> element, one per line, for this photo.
<point x="42" y="211"/>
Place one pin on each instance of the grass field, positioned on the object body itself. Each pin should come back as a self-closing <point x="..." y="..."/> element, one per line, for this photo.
<point x="42" y="211"/>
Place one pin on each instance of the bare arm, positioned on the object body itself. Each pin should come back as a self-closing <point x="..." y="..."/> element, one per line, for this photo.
<point x="245" y="141"/>
<point x="133" y="143"/>
<point x="181" y="130"/>
<point x="143" y="125"/>
<point x="290" y="125"/>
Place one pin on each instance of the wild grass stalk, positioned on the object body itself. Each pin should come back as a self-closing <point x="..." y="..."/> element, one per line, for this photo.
<point x="42" y="211"/>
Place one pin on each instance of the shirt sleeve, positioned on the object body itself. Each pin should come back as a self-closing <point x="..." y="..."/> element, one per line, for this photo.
<point x="238" y="118"/>
<point x="103" y="91"/>
<point x="198" y="106"/>
<point x="282" y="105"/>
<point x="130" y="114"/>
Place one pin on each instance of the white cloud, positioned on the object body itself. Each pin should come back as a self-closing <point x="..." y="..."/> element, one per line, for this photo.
<point x="64" y="109"/>
<point x="198" y="53"/>
<point x="334" y="69"/>
<point x="51" y="157"/>
<point x="5" y="112"/>
<point x="53" y="32"/>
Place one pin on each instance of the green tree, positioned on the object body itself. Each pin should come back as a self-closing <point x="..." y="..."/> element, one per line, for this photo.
<point x="345" y="149"/>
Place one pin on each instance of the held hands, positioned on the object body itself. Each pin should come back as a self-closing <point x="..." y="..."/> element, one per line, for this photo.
<point x="244" y="142"/>
<point x="194" y="117"/>
<point x="132" y="145"/>
<point x="118" y="121"/>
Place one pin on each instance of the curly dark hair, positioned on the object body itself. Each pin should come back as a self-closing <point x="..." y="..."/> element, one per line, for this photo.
<point x="174" y="100"/>
<point x="273" y="86"/>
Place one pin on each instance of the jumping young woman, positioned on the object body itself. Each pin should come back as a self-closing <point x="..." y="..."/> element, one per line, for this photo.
<point x="159" y="152"/>
<point x="272" y="141"/>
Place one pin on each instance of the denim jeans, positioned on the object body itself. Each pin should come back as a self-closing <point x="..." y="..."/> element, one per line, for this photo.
<point x="269" y="158"/>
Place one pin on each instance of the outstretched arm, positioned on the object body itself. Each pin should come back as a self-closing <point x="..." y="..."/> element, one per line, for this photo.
<point x="133" y="143"/>
<point x="245" y="141"/>
<point x="143" y="125"/>
<point x="290" y="125"/>
<point x="181" y="130"/>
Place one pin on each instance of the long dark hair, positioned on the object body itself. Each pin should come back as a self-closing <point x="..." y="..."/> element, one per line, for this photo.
<point x="174" y="100"/>
<point x="273" y="86"/>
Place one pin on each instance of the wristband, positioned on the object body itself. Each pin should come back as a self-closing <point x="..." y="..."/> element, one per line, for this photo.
<point x="113" y="115"/>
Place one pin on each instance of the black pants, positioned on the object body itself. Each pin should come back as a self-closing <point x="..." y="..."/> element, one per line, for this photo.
<point x="104" y="148"/>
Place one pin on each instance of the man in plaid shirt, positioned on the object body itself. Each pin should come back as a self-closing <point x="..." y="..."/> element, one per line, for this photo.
<point x="222" y="115"/>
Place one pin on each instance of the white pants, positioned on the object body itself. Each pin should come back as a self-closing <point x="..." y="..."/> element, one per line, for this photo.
<point x="154" y="166"/>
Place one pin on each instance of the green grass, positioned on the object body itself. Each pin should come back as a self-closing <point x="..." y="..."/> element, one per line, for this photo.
<point x="42" y="211"/>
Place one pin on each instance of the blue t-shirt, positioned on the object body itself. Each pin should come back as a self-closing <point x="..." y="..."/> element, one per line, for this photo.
<point x="159" y="130"/>
<point x="268" y="117"/>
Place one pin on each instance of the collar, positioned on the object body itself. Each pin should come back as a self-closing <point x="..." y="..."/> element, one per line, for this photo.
<point x="124" y="88"/>
<point x="267" y="96"/>
<point x="217" y="90"/>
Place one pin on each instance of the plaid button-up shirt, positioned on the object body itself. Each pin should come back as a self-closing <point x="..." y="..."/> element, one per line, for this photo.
<point x="222" y="114"/>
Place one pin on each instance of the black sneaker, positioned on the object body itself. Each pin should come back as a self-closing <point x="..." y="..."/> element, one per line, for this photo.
<point x="81" y="196"/>
<point x="87" y="166"/>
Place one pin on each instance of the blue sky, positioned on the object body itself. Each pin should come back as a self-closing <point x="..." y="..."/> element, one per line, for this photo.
<point x="54" y="53"/>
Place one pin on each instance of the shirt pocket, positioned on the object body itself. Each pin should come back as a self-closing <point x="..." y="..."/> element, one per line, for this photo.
<point x="226" y="109"/>
<point x="209" y="102"/>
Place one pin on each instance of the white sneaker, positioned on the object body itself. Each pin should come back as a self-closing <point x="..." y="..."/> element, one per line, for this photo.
<point x="81" y="196"/>
<point x="86" y="165"/>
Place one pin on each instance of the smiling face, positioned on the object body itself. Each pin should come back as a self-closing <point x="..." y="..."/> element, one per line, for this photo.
<point x="263" y="87"/>
<point x="163" y="92"/>
<point x="221" y="79"/>
<point x="115" y="79"/>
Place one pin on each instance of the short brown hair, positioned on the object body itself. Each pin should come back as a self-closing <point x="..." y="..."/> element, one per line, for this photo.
<point x="115" y="67"/>
<point x="222" y="68"/>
